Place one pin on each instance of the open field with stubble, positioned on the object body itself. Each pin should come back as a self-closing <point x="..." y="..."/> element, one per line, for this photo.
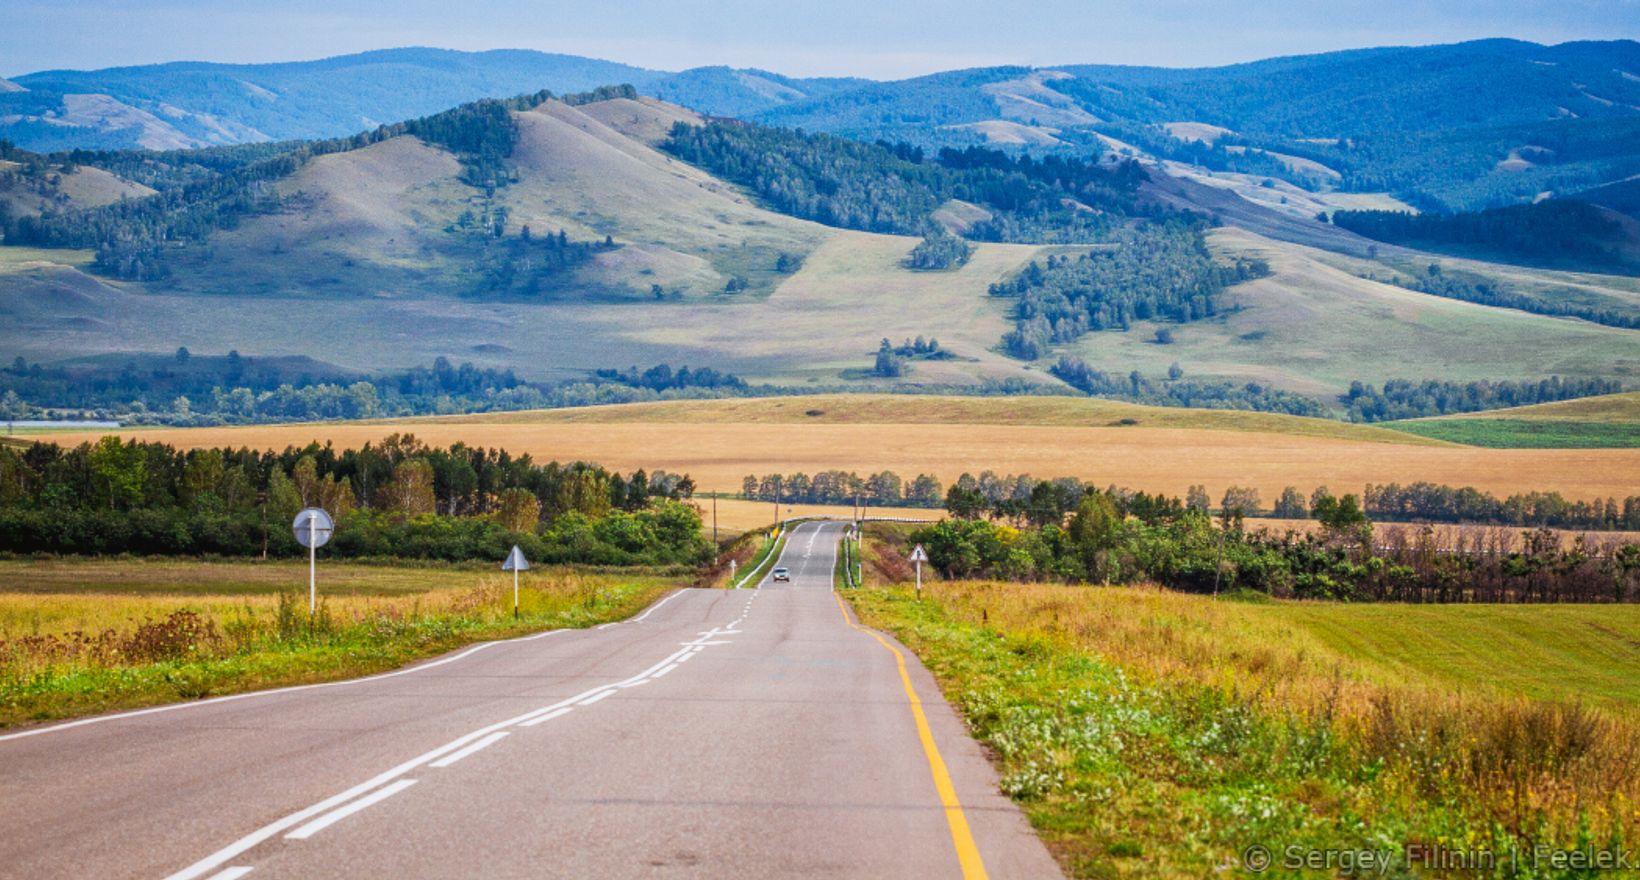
<point x="1150" y="733"/>
<point x="1167" y="450"/>
<point x="79" y="636"/>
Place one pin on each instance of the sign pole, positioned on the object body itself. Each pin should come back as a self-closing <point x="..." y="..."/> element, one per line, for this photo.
<point x="313" y="566"/>
<point x="919" y="556"/>
<point x="313" y="527"/>
<point x="515" y="563"/>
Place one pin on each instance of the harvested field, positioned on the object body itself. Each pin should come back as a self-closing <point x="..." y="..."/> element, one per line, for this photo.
<point x="764" y="436"/>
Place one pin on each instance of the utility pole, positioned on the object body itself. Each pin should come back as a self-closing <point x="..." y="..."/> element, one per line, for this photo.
<point x="777" y="500"/>
<point x="714" y="518"/>
<point x="1218" y="563"/>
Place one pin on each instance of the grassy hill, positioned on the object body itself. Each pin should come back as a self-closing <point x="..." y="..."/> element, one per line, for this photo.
<point x="1608" y="421"/>
<point x="1315" y="324"/>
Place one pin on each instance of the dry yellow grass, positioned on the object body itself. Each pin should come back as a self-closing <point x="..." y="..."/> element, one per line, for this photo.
<point x="1299" y="653"/>
<point x="718" y="453"/>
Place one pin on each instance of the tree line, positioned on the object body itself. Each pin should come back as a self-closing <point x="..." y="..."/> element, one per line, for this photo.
<point x="1406" y="399"/>
<point x="883" y="489"/>
<point x="192" y="389"/>
<point x="397" y="498"/>
<point x="1113" y="537"/>
<point x="1178" y="391"/>
<point x="1022" y="499"/>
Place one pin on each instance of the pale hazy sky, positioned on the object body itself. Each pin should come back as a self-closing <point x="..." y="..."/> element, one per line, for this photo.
<point x="875" y="38"/>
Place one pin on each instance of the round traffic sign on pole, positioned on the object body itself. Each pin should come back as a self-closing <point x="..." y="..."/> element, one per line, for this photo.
<point x="312" y="527"/>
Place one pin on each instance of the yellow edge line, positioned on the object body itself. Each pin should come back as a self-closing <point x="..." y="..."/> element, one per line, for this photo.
<point x="973" y="867"/>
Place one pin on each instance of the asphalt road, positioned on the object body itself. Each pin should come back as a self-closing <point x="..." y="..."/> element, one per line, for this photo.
<point x="722" y="733"/>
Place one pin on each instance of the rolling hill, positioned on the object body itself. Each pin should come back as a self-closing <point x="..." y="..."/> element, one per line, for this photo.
<point x="556" y="237"/>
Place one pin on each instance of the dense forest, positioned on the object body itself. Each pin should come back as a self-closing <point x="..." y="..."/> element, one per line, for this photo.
<point x="397" y="498"/>
<point x="1406" y="399"/>
<point x="1558" y="232"/>
<point x="192" y="389"/>
<point x="1156" y="271"/>
<point x="894" y="188"/>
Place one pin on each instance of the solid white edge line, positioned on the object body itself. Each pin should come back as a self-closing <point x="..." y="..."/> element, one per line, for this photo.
<point x="340" y="813"/>
<point x="482" y="744"/>
<point x="233" y="873"/>
<point x="36" y="731"/>
<point x="656" y="607"/>
<point x="556" y="713"/>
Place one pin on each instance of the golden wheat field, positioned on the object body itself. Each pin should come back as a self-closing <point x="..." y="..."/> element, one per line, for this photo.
<point x="720" y="442"/>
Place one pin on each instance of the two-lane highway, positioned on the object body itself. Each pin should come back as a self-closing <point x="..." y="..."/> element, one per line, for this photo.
<point x="751" y="733"/>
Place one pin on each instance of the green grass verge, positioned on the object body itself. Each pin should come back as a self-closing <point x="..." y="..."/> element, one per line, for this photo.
<point x="199" y="649"/>
<point x="1127" y="773"/>
<point x="1524" y="433"/>
<point x="765" y="557"/>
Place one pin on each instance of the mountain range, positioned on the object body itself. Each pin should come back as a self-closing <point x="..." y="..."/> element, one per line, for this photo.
<point x="1454" y="127"/>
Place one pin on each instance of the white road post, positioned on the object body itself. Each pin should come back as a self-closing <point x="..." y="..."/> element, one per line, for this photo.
<point x="919" y="556"/>
<point x="515" y="563"/>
